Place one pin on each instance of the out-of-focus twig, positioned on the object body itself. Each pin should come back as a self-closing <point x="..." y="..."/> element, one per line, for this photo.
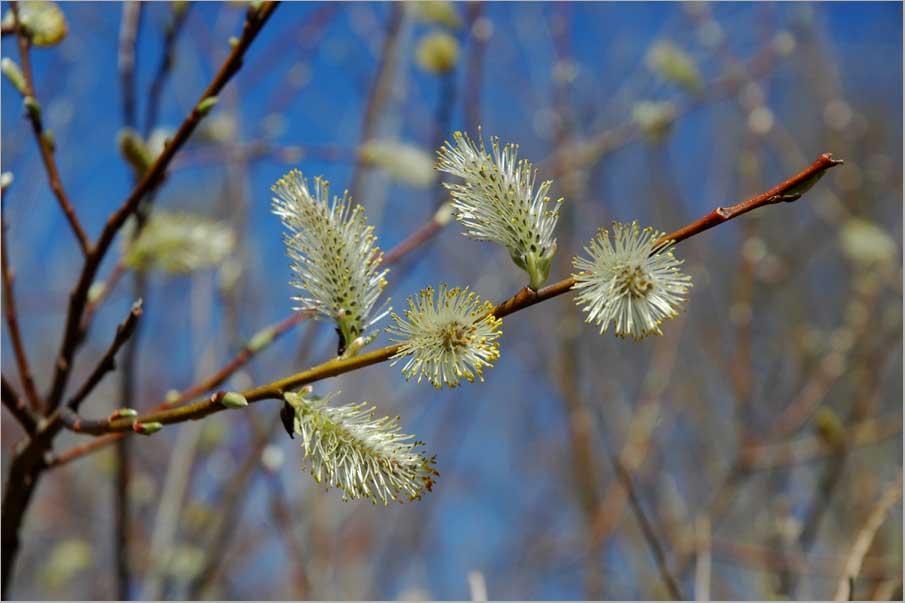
<point x="164" y="67"/>
<point x="865" y="537"/>
<point x="227" y="522"/>
<point x="380" y="89"/>
<point x="129" y="32"/>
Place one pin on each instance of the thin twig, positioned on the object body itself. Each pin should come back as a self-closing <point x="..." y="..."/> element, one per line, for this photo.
<point x="12" y="323"/>
<point x="523" y="299"/>
<point x="129" y="29"/>
<point x="255" y="345"/>
<point x="108" y="362"/>
<point x="16" y="405"/>
<point x="105" y="288"/>
<point x="45" y="144"/>
<point x="173" y="28"/>
<point x="865" y="537"/>
<point x="254" y="21"/>
<point x="647" y="529"/>
<point x="284" y="522"/>
<point x="27" y="465"/>
<point x="380" y="90"/>
<point x="232" y="500"/>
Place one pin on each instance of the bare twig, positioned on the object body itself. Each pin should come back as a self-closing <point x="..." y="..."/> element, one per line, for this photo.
<point x="108" y="285"/>
<point x="45" y="144"/>
<point x="254" y="21"/>
<point x="283" y="520"/>
<point x="417" y="238"/>
<point x="380" y="90"/>
<point x="108" y="362"/>
<point x="173" y="28"/>
<point x="12" y="323"/>
<point x="27" y="465"/>
<point x="129" y="29"/>
<point x="16" y="405"/>
<point x="228" y="515"/>
<point x="255" y="345"/>
<point x="865" y="537"/>
<point x="810" y="448"/>
<point x="623" y="474"/>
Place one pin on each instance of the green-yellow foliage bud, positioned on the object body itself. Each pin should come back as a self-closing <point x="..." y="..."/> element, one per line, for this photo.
<point x="233" y="400"/>
<point x="147" y="428"/>
<point x="673" y="64"/>
<point x="437" y="52"/>
<point x="33" y="107"/>
<point x="205" y="106"/>
<point x="14" y="75"/>
<point x="134" y="151"/>
<point x="437" y="11"/>
<point x="261" y="340"/>
<point x="654" y="119"/>
<point x="43" y="20"/>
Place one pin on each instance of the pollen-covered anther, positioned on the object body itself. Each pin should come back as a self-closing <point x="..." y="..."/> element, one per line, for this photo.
<point x="629" y="282"/>
<point x="333" y="254"/>
<point x="498" y="201"/>
<point x="446" y="342"/>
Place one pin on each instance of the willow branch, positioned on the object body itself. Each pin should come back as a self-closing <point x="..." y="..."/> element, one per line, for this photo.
<point x="16" y="405"/>
<point x="263" y="339"/>
<point x="259" y="342"/>
<point x="12" y="323"/>
<point x="254" y="21"/>
<point x="45" y="143"/>
<point x="793" y="187"/>
<point x="108" y="362"/>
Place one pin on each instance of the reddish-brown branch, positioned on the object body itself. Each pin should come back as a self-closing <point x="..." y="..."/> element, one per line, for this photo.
<point x="785" y="192"/>
<point x="44" y="143"/>
<point x="254" y="21"/>
<point x="12" y="322"/>
<point x="16" y="405"/>
<point x="793" y="187"/>
<point x="91" y="308"/>
<point x="108" y="362"/>
<point x="243" y="357"/>
<point x="25" y="469"/>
